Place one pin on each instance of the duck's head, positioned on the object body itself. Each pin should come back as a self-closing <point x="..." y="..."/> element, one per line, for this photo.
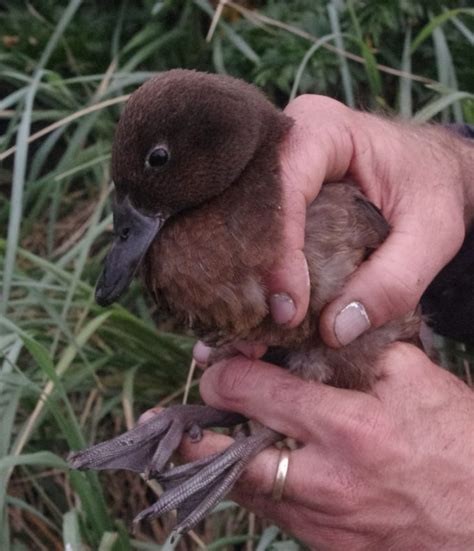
<point x="183" y="138"/>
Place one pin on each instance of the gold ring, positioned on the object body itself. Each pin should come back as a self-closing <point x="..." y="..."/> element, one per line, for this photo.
<point x="280" y="477"/>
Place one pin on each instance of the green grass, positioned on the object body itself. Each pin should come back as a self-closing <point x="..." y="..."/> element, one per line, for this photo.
<point x="72" y="373"/>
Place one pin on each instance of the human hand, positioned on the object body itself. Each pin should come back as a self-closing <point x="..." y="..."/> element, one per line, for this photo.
<point x="388" y="470"/>
<point x="418" y="175"/>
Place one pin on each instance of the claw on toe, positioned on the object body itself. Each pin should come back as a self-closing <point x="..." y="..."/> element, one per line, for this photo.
<point x="195" y="433"/>
<point x="174" y="536"/>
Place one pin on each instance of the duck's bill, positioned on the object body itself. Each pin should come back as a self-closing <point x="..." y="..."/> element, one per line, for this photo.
<point x="134" y="233"/>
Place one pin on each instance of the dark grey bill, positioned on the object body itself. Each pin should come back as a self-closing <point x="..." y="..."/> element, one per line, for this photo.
<point x="134" y="233"/>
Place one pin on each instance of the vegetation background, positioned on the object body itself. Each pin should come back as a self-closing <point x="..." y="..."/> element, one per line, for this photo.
<point x="72" y="373"/>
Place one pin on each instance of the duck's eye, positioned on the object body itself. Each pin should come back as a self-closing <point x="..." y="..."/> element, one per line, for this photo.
<point x="158" y="157"/>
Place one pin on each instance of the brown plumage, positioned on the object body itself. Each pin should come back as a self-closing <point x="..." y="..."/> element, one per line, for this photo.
<point x="195" y="163"/>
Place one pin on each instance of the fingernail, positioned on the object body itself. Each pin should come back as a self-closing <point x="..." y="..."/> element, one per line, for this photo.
<point x="282" y="308"/>
<point x="351" y="322"/>
<point x="201" y="353"/>
<point x="144" y="417"/>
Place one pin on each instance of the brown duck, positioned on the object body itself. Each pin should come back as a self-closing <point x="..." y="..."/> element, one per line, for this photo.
<point x="198" y="207"/>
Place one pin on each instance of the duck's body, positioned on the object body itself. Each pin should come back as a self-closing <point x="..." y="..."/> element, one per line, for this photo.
<point x="208" y="270"/>
<point x="199" y="205"/>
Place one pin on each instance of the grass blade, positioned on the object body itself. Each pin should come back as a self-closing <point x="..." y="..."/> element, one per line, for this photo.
<point x="428" y="29"/>
<point x="19" y="169"/>
<point x="71" y="532"/>
<point x="242" y="46"/>
<point x="22" y="153"/>
<point x="267" y="538"/>
<point x="44" y="459"/>
<point x="446" y="72"/>
<point x="302" y="66"/>
<point x="468" y="34"/>
<point x="405" y="105"/>
<point x="371" y="67"/>
<point x="436" y="106"/>
<point x="343" y="65"/>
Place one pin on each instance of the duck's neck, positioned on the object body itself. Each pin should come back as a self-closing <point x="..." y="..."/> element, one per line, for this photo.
<point x="253" y="205"/>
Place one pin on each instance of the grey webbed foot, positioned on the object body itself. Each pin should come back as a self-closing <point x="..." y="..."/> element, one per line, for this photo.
<point x="148" y="447"/>
<point x="196" y="488"/>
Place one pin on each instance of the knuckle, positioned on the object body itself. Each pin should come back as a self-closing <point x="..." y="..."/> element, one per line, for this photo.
<point x="366" y="435"/>
<point x="457" y="235"/>
<point x="149" y="414"/>
<point x="315" y="102"/>
<point x="232" y="380"/>
<point x="301" y="102"/>
<point x="402" y="353"/>
<point x="281" y="392"/>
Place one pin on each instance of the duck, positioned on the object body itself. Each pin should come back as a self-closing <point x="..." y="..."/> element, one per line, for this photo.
<point x="198" y="213"/>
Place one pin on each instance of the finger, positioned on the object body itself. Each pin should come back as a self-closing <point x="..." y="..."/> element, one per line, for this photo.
<point x="310" y="155"/>
<point x="148" y="414"/>
<point x="201" y="354"/>
<point x="387" y="286"/>
<point x="304" y="410"/>
<point x="260" y="472"/>
<point x="259" y="477"/>
<point x="210" y="443"/>
<point x="255" y="486"/>
<point x="205" y="355"/>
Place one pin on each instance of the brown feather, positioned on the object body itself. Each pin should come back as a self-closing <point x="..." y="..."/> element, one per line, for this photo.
<point x="209" y="263"/>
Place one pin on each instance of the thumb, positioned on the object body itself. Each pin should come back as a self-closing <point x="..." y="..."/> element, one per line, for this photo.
<point x="389" y="284"/>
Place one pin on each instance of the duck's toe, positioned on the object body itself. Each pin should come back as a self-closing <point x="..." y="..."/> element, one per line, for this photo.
<point x="196" y="488"/>
<point x="148" y="447"/>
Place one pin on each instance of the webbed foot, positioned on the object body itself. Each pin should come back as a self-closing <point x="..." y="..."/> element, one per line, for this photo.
<point x="148" y="447"/>
<point x="196" y="488"/>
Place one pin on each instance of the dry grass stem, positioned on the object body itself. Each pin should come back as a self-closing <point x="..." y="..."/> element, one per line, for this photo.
<point x="215" y="20"/>
<point x="252" y="15"/>
<point x="189" y="380"/>
<point x="66" y="120"/>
